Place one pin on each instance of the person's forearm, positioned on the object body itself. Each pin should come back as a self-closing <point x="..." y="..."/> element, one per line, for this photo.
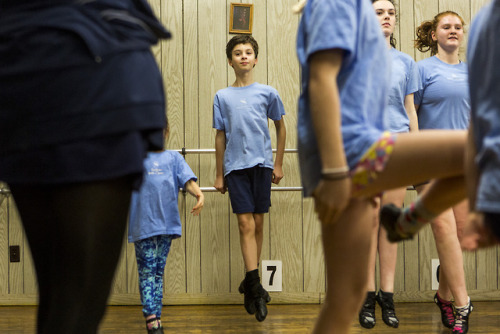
<point x="281" y="141"/>
<point x="193" y="188"/>
<point x="220" y="147"/>
<point x="411" y="112"/>
<point x="325" y="111"/>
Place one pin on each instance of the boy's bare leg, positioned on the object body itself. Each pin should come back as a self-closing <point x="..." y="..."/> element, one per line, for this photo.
<point x="255" y="296"/>
<point x="346" y="245"/>
<point x="248" y="240"/>
<point x="259" y="233"/>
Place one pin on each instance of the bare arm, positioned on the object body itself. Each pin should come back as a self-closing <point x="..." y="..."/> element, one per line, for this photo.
<point x="280" y="150"/>
<point x="411" y="111"/>
<point x="220" y="148"/>
<point x="193" y="188"/>
<point x="332" y="196"/>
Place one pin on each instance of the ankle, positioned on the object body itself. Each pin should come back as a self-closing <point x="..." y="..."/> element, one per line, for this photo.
<point x="442" y="300"/>
<point x="151" y="322"/>
<point x="464" y="308"/>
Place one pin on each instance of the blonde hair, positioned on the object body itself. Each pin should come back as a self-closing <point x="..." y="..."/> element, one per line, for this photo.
<point x="297" y="8"/>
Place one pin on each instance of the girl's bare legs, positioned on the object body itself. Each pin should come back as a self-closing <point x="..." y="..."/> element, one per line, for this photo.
<point x="346" y="244"/>
<point x="387" y="251"/>
<point x="367" y="312"/>
<point x="418" y="157"/>
<point x="373" y="249"/>
<point x="421" y="156"/>
<point x="452" y="276"/>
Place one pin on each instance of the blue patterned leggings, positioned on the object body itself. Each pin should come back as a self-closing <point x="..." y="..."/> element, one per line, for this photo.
<point x="151" y="255"/>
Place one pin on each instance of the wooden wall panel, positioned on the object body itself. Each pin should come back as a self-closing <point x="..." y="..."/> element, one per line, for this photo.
<point x="4" y="242"/>
<point x="286" y="212"/>
<point x="212" y="77"/>
<point x="172" y="63"/>
<point x="406" y="25"/>
<point x="131" y="269"/>
<point x="16" y="238"/>
<point x="424" y="10"/>
<point x="411" y="255"/>
<point x="120" y="279"/>
<point x="314" y="264"/>
<point x="191" y="65"/>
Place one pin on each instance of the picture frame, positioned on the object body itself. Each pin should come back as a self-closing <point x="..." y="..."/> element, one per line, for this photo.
<point x="241" y="18"/>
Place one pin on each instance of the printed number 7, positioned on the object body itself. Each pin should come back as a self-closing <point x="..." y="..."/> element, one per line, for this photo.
<point x="271" y="278"/>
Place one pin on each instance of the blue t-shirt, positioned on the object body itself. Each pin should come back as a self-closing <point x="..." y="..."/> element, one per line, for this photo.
<point x="363" y="80"/>
<point x="444" y="98"/>
<point x="405" y="80"/>
<point x="154" y="208"/>
<point x="242" y="113"/>
<point x="484" y="78"/>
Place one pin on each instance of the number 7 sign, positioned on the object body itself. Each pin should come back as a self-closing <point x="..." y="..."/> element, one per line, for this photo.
<point x="272" y="275"/>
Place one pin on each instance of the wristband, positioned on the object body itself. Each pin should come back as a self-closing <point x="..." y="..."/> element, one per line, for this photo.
<point x="336" y="170"/>
<point x="335" y="176"/>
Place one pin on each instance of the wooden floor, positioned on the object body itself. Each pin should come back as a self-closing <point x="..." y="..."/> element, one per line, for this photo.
<point x="414" y="318"/>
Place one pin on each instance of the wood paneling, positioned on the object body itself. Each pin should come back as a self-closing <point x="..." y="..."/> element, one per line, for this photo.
<point x="205" y="265"/>
<point x="4" y="243"/>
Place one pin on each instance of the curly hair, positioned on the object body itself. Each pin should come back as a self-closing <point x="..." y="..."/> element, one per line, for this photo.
<point x="424" y="41"/>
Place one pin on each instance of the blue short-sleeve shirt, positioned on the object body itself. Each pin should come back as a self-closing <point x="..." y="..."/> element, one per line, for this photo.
<point x="242" y="113"/>
<point x="484" y="76"/>
<point x="405" y="80"/>
<point x="444" y="98"/>
<point x="154" y="208"/>
<point x="363" y="80"/>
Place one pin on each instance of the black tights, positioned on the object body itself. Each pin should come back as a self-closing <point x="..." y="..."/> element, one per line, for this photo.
<point x="75" y="233"/>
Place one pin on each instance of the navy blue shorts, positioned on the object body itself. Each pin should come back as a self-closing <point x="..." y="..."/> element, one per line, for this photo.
<point x="250" y="189"/>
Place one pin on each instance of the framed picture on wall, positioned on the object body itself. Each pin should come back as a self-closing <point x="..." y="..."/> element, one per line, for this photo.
<point x="241" y="18"/>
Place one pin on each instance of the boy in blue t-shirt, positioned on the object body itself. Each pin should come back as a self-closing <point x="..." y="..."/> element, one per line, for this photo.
<point x="244" y="158"/>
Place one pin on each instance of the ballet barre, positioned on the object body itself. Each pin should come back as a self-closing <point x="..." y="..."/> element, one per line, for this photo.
<point x="212" y="189"/>
<point x="185" y="151"/>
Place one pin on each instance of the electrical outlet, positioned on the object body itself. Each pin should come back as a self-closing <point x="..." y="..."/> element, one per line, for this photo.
<point x="15" y="254"/>
<point x="435" y="274"/>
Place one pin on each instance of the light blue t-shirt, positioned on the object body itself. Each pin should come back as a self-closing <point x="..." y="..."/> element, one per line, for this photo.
<point x="484" y="77"/>
<point x="242" y="113"/>
<point x="405" y="80"/>
<point x="444" y="98"/>
<point x="363" y="80"/>
<point x="154" y="208"/>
